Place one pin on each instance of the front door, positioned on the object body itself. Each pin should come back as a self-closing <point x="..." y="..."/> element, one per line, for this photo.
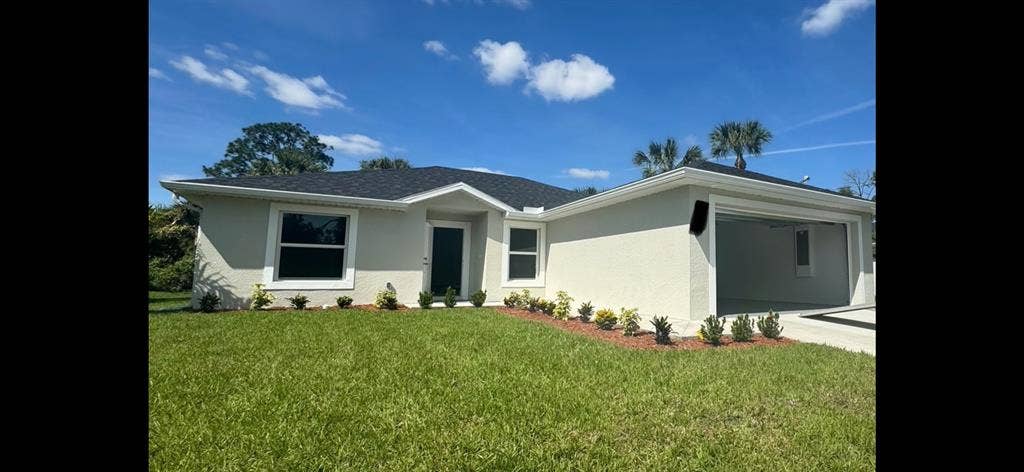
<point x="446" y="260"/>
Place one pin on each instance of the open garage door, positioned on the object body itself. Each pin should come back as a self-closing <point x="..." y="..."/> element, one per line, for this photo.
<point x="781" y="264"/>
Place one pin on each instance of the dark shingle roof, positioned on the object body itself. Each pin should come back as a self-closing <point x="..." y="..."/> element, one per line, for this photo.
<point x="393" y="184"/>
<point x="732" y="170"/>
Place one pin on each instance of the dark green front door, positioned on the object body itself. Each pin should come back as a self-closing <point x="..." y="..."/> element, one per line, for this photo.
<point x="446" y="260"/>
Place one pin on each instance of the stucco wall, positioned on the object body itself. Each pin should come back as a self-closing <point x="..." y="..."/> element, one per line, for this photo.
<point x="232" y="241"/>
<point x="757" y="262"/>
<point x="632" y="254"/>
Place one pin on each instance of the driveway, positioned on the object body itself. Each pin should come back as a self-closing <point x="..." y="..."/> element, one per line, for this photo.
<point x="852" y="330"/>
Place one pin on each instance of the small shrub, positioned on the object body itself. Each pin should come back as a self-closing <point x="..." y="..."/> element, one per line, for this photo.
<point x="533" y="304"/>
<point x="563" y="306"/>
<point x="426" y="299"/>
<point x="344" y="301"/>
<point x="711" y="330"/>
<point x="547" y="307"/>
<point x="585" y="311"/>
<point x="449" y="297"/>
<point x="605" y="319"/>
<point x="662" y="328"/>
<point x="512" y="300"/>
<point x="299" y="301"/>
<point x="478" y="298"/>
<point x="524" y="300"/>
<point x="742" y="328"/>
<point x="769" y="326"/>
<point x="630" y="321"/>
<point x="386" y="300"/>
<point x="260" y="297"/>
<point x="209" y="302"/>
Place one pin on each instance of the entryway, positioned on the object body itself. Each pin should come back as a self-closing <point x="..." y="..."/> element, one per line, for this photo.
<point x="447" y="257"/>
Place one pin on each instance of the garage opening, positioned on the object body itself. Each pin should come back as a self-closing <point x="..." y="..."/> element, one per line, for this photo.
<point x="767" y="263"/>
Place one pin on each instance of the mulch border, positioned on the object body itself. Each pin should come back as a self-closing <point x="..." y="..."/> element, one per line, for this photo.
<point x="644" y="340"/>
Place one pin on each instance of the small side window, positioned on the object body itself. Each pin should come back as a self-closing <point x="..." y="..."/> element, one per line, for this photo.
<point x="804" y="255"/>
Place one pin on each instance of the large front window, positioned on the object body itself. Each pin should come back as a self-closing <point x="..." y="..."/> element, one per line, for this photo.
<point x="312" y="246"/>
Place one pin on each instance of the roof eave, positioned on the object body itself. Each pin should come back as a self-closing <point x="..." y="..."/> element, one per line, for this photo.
<point x="196" y="188"/>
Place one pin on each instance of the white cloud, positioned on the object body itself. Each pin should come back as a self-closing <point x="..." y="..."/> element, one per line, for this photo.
<point x="578" y="79"/>
<point x="226" y="79"/>
<point x="820" y="146"/>
<point x="438" y="48"/>
<point x="826" y="18"/>
<point x="158" y="74"/>
<point x="229" y="45"/>
<point x="835" y="114"/>
<point x="352" y="144"/>
<point x="301" y="93"/>
<point x="214" y="53"/>
<point x="517" y="4"/>
<point x="483" y="169"/>
<point x="504" y="63"/>
<point x="580" y="173"/>
<point x="176" y="177"/>
<point x="260" y="55"/>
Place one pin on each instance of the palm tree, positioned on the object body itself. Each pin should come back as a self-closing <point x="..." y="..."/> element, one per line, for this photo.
<point x="384" y="162"/>
<point x="739" y="138"/>
<point x="587" y="191"/>
<point x="662" y="158"/>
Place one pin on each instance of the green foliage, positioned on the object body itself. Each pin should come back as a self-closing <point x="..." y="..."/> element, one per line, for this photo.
<point x="630" y="321"/>
<point x="426" y="300"/>
<point x="739" y="139"/>
<point x="512" y="300"/>
<point x="260" y="297"/>
<point x="534" y="304"/>
<point x="478" y="298"/>
<point x="546" y="306"/>
<point x="711" y="330"/>
<point x="172" y="235"/>
<point x="585" y="310"/>
<point x="587" y="191"/>
<point x="662" y="328"/>
<point x="209" y="302"/>
<point x="661" y="158"/>
<point x="386" y="300"/>
<point x="605" y="319"/>
<point x="272" y="149"/>
<point x="524" y="299"/>
<point x="449" y="297"/>
<point x="299" y="301"/>
<point x="769" y="325"/>
<point x="344" y="301"/>
<point x="563" y="306"/>
<point x="384" y="162"/>
<point x="742" y="328"/>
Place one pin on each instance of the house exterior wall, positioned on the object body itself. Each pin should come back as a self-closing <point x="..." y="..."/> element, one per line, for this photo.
<point x="631" y="254"/>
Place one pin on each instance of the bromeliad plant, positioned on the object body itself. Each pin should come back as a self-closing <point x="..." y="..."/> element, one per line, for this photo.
<point x="742" y="328"/>
<point x="426" y="299"/>
<point x="605" y="319"/>
<point x="546" y="306"/>
<point x="533" y="304"/>
<point x="386" y="300"/>
<point x="711" y="330"/>
<point x="299" y="301"/>
<point x="260" y="297"/>
<point x="630" y="321"/>
<point x="662" y="328"/>
<point x="563" y="306"/>
<point x="344" y="301"/>
<point x="478" y="298"/>
<point x="769" y="326"/>
<point x="512" y="300"/>
<point x="209" y="302"/>
<point x="449" y="297"/>
<point x="585" y="310"/>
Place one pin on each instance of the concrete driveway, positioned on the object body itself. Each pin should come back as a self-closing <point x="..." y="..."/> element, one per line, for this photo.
<point x="852" y="330"/>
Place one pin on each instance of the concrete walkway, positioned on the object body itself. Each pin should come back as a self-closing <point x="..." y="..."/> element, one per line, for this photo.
<point x="852" y="330"/>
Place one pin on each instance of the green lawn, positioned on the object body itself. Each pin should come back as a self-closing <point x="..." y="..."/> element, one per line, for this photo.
<point x="169" y="301"/>
<point x="471" y="389"/>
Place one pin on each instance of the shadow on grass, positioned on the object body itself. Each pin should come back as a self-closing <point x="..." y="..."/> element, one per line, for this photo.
<point x="163" y="302"/>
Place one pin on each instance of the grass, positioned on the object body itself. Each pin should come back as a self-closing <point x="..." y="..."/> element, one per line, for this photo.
<point x="471" y="389"/>
<point x="160" y="302"/>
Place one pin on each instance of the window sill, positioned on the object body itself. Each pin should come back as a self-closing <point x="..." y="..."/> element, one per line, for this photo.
<point x="309" y="285"/>
<point x="522" y="283"/>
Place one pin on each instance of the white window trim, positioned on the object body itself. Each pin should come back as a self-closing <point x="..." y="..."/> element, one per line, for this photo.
<point x="537" y="282"/>
<point x="348" y="280"/>
<point x="804" y="270"/>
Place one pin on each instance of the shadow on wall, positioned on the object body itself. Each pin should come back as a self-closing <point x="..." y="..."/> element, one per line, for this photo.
<point x="205" y="281"/>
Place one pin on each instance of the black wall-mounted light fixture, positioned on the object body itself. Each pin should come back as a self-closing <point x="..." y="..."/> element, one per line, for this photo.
<point x="699" y="219"/>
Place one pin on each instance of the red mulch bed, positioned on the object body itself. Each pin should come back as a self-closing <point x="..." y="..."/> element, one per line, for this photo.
<point x="644" y="339"/>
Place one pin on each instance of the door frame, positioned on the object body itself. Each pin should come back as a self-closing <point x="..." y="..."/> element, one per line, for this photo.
<point x="428" y="252"/>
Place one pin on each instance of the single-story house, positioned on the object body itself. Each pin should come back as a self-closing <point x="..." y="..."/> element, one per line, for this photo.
<point x="700" y="239"/>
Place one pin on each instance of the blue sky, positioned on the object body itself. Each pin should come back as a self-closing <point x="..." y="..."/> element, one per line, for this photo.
<point x="526" y="87"/>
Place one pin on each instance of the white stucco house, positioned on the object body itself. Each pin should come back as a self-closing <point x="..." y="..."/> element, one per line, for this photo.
<point x="765" y="242"/>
